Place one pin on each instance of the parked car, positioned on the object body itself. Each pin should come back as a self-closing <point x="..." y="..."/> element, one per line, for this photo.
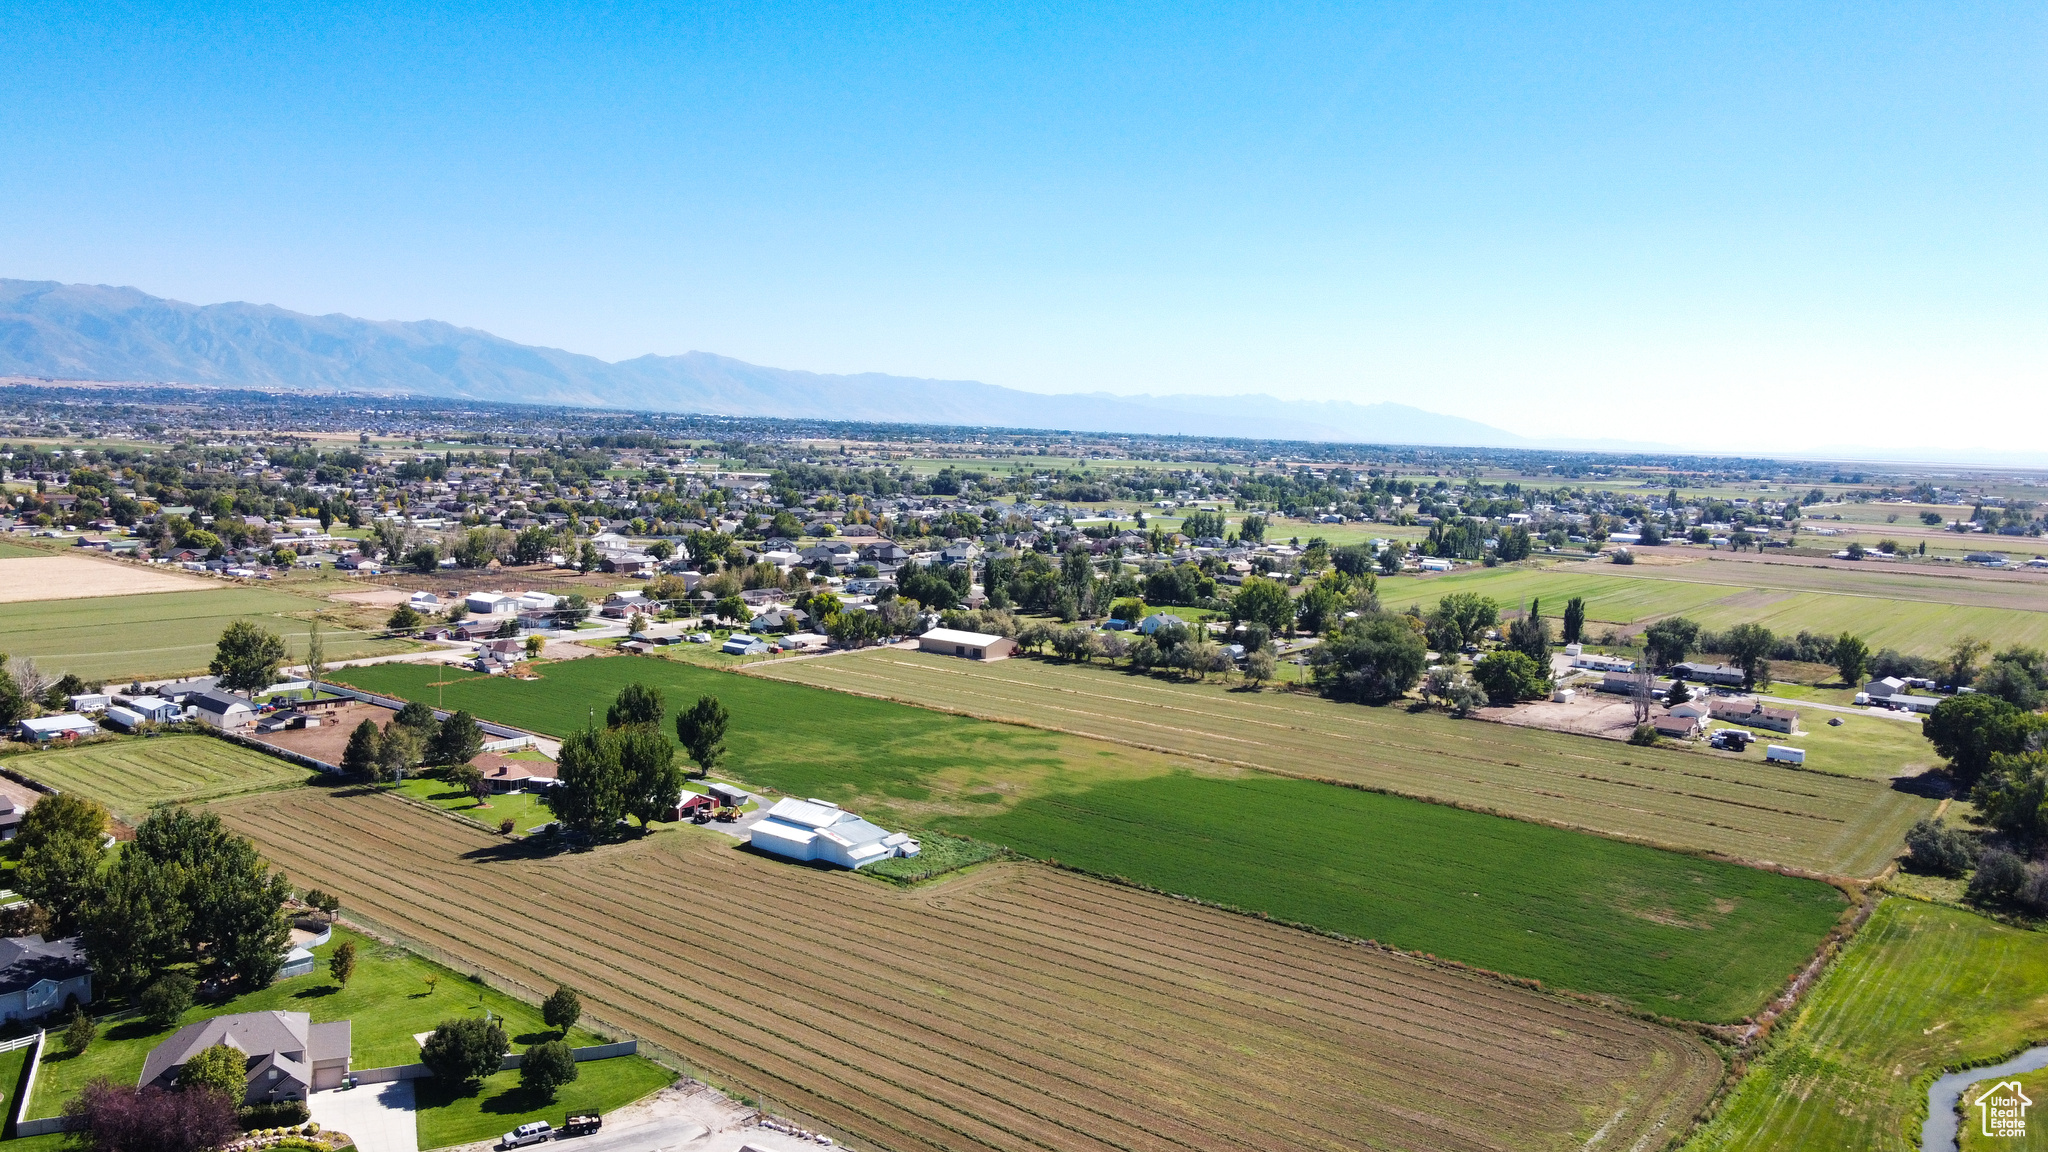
<point x="534" y="1133"/>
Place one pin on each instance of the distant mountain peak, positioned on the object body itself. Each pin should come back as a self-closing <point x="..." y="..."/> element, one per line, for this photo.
<point x="98" y="332"/>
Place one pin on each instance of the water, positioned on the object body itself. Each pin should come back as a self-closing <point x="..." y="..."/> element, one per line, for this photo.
<point x="1938" y="1134"/>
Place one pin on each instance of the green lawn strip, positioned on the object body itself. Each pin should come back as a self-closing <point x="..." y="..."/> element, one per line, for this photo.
<point x="12" y="1065"/>
<point x="1869" y="747"/>
<point x="1921" y="988"/>
<point x="386" y="1002"/>
<point x="165" y="633"/>
<point x="9" y="550"/>
<point x="131" y="774"/>
<point x="461" y="1117"/>
<point x="1678" y="935"/>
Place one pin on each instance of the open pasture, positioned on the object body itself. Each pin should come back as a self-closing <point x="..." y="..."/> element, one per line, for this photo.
<point x="1678" y="935"/>
<point x="1688" y="936"/>
<point x="1920" y="988"/>
<point x="164" y="633"/>
<point x="12" y="549"/>
<point x="1014" y="1008"/>
<point x="1889" y="609"/>
<point x="27" y="575"/>
<point x="131" y="775"/>
<point x="1742" y="809"/>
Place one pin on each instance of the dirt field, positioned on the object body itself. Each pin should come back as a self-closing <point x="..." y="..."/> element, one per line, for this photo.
<point x="328" y="740"/>
<point x="1017" y="1007"/>
<point x="75" y="577"/>
<point x="374" y="597"/>
<point x="1591" y="713"/>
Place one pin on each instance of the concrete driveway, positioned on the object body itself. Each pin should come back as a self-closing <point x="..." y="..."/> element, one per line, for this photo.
<point x="381" y="1117"/>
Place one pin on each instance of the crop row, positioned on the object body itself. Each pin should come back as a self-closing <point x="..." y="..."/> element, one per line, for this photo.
<point x="1014" y="1008"/>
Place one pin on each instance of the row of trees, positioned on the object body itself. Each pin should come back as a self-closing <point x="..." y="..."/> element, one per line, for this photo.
<point x="627" y="768"/>
<point x="410" y="738"/>
<point x="184" y="892"/>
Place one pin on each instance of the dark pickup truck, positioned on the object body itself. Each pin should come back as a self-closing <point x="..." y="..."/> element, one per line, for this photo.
<point x="582" y="1124"/>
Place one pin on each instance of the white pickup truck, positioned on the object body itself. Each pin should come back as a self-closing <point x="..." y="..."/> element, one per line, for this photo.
<point x="525" y="1134"/>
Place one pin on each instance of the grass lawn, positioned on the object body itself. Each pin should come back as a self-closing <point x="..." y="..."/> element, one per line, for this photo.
<point x="164" y="633"/>
<point x="501" y="1105"/>
<point x="525" y="808"/>
<point x="131" y="774"/>
<point x="1921" y="988"/>
<point x="1871" y="747"/>
<point x="387" y="1001"/>
<point x="1674" y="934"/>
<point x="9" y="550"/>
<point x="13" y="1066"/>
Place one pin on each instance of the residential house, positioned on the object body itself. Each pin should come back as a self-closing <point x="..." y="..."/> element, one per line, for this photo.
<point x="224" y="710"/>
<point x="1750" y="712"/>
<point x="287" y="1054"/>
<point x="1154" y="623"/>
<point x="11" y="813"/>
<point x="39" y="977"/>
<point x="503" y="774"/>
<point x="780" y="620"/>
<point x="822" y="831"/>
<point x="1676" y="727"/>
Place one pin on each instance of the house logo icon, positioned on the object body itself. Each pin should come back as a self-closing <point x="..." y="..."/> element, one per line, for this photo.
<point x="2003" y="1109"/>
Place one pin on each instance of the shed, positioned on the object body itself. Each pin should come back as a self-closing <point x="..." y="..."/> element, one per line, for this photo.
<point x="728" y="795"/>
<point x="971" y="645"/>
<point x="90" y="702"/>
<point x="67" y="726"/>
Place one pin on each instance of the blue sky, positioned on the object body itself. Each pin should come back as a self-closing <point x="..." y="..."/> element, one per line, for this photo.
<point x="1820" y="224"/>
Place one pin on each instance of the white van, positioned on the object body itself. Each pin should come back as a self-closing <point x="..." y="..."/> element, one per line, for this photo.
<point x="534" y="1133"/>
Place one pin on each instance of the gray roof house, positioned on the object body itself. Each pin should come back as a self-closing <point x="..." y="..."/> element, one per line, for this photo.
<point x="224" y="709"/>
<point x="288" y="1055"/>
<point x="39" y="976"/>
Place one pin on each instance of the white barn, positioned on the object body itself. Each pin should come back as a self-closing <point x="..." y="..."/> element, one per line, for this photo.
<point x="972" y="645"/>
<point x="821" y="830"/>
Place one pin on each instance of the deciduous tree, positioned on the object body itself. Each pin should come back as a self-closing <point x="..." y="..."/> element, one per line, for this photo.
<point x="465" y="1049"/>
<point x="636" y="704"/>
<point x="701" y="728"/>
<point x="561" y="1009"/>
<point x="1574" y="619"/>
<point x="222" y="1068"/>
<point x="546" y="1067"/>
<point x="342" y="963"/>
<point x="110" y="1117"/>
<point x="247" y="657"/>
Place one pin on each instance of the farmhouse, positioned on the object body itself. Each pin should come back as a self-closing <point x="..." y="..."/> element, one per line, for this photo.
<point x="224" y="710"/>
<point x="38" y="977"/>
<point x="972" y="645"/>
<point x="1676" y="727"/>
<point x="1750" y="712"/>
<point x="503" y="774"/>
<point x="288" y="1054"/>
<point x="68" y="726"/>
<point x="821" y="830"/>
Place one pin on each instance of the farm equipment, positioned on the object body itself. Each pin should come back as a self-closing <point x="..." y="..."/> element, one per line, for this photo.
<point x="727" y="815"/>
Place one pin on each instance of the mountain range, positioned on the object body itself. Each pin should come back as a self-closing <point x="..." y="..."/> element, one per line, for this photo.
<point x="96" y="332"/>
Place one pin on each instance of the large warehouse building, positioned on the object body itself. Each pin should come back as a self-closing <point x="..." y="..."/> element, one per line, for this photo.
<point x="972" y="645"/>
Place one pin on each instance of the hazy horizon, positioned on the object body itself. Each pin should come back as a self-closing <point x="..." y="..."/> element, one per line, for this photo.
<point x="1799" y="227"/>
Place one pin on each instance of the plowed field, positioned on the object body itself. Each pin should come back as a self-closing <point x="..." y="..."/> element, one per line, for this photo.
<point x="1746" y="810"/>
<point x="1014" y="1008"/>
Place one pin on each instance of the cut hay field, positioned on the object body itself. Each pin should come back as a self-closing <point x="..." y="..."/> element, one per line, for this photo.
<point x="156" y="634"/>
<point x="1687" y="936"/>
<point x="1920" y="988"/>
<point x="1742" y="809"/>
<point x="1014" y="1008"/>
<point x="10" y="550"/>
<point x="74" y="575"/>
<point x="131" y="775"/>
<point x="1913" y="612"/>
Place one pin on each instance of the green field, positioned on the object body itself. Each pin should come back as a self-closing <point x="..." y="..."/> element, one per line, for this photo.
<point x="1920" y="988"/>
<point x="154" y="634"/>
<point x="1870" y="747"/>
<point x="132" y="774"/>
<point x="1972" y="1138"/>
<point x="1736" y="806"/>
<point x="931" y="769"/>
<point x="386" y="1002"/>
<point x="1912" y="612"/>
<point x="10" y="550"/>
<point x="524" y="808"/>
<point x="1677" y="935"/>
